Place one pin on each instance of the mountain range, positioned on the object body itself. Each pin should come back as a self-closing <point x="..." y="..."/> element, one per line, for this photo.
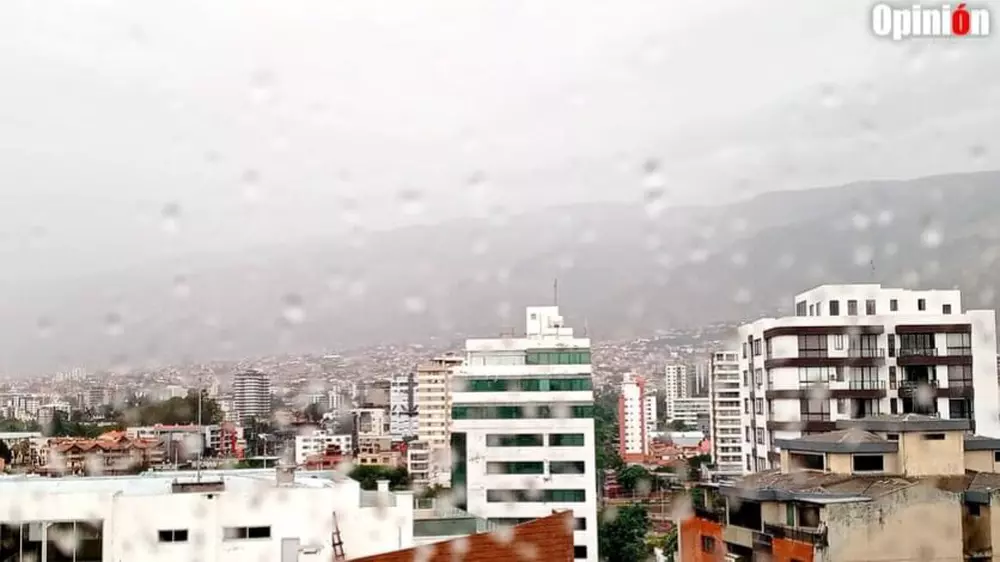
<point x="623" y="270"/>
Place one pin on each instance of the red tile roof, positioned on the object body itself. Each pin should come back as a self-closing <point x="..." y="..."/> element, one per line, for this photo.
<point x="549" y="539"/>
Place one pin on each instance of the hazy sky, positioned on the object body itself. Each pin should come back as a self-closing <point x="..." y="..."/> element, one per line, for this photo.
<point x="135" y="130"/>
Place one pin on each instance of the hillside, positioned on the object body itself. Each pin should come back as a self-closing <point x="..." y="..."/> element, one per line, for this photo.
<point x="620" y="271"/>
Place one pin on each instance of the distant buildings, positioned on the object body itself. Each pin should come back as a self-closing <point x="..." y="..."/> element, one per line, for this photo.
<point x="693" y="413"/>
<point x="251" y="396"/>
<point x="429" y="459"/>
<point x="523" y="428"/>
<point x="317" y="442"/>
<point x="853" y="351"/>
<point x="636" y="419"/>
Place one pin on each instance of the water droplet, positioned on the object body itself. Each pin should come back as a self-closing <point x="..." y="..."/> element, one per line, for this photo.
<point x="863" y="255"/>
<point x="977" y="151"/>
<point x="113" y="324"/>
<point x="931" y="237"/>
<point x="250" y="180"/>
<point x="654" y="193"/>
<point x="885" y="218"/>
<point x="480" y="246"/>
<point x="181" y="287"/>
<point x="171" y="214"/>
<point x="860" y="221"/>
<point x="742" y="296"/>
<point x="410" y="200"/>
<point x="829" y="97"/>
<point x="261" y="84"/>
<point x="44" y="326"/>
<point x="414" y="305"/>
<point x="293" y="310"/>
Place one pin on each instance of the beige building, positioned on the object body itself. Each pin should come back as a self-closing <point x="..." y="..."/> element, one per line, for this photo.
<point x="885" y="488"/>
<point x="429" y="464"/>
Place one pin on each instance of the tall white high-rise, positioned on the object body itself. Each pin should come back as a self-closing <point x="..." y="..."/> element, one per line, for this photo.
<point x="726" y="431"/>
<point x="252" y="396"/>
<point x="636" y="419"/>
<point x="853" y="351"/>
<point x="523" y="428"/>
<point x="675" y="386"/>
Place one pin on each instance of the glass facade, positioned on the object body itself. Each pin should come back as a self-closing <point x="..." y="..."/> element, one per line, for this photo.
<point x="557" y="357"/>
<point x="527" y="385"/>
<point x="521" y="412"/>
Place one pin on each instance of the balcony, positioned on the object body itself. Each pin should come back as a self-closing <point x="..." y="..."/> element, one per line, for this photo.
<point x="865" y="384"/>
<point x="866" y="352"/>
<point x="918" y="352"/>
<point x="913" y="356"/>
<point x="708" y="514"/>
<point x="908" y="389"/>
<point x="815" y="537"/>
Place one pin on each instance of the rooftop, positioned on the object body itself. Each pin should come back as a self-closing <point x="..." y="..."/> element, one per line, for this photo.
<point x="159" y="482"/>
<point x="902" y="423"/>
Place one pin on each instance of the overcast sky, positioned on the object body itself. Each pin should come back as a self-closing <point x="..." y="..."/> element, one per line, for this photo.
<point x="134" y="130"/>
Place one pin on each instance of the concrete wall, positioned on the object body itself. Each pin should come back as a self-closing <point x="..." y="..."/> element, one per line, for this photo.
<point x="981" y="461"/>
<point x="916" y="523"/>
<point x="923" y="457"/>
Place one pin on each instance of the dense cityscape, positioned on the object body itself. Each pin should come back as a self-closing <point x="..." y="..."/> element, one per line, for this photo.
<point x="772" y="436"/>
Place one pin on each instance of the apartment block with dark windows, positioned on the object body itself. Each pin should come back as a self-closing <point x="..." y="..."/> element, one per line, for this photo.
<point x="891" y="487"/>
<point x="853" y="351"/>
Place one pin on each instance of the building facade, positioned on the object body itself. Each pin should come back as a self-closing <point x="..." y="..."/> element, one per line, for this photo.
<point x="859" y="350"/>
<point x="523" y="428"/>
<point x="903" y="487"/>
<point x="403" y="405"/>
<point x="319" y="441"/>
<point x="433" y="396"/>
<point x="675" y="385"/>
<point x="726" y="429"/>
<point x="636" y="419"/>
<point x="251" y="396"/>
<point x="693" y="412"/>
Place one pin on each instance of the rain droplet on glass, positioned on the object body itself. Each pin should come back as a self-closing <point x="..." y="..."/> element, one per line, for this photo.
<point x="170" y="213"/>
<point x="293" y="310"/>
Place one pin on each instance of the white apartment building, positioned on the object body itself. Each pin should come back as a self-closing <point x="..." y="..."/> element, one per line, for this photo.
<point x="223" y="440"/>
<point x="675" y="385"/>
<point x="523" y="429"/>
<point x="218" y="516"/>
<point x="636" y="418"/>
<point x="251" y="396"/>
<point x="725" y="428"/>
<point x="403" y="405"/>
<point x="853" y="351"/>
<point x="693" y="412"/>
<point x="433" y="397"/>
<point x="318" y="441"/>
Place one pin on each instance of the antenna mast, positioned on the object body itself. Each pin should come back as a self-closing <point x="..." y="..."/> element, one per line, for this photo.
<point x="201" y="433"/>
<point x="555" y="291"/>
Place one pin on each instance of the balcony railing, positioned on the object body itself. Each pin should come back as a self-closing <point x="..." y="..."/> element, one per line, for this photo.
<point x="709" y="514"/>
<point x="918" y="352"/>
<point x="907" y="389"/>
<point x="866" y="384"/>
<point x="816" y="537"/>
<point x="866" y="352"/>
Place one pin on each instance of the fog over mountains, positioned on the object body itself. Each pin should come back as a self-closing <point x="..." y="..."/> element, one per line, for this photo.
<point x="623" y="269"/>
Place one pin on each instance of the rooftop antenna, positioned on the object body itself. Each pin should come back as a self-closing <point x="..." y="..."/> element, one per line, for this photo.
<point x="555" y="291"/>
<point x="872" y="263"/>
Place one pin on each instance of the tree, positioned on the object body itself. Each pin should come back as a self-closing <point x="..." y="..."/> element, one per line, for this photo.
<point x="368" y="476"/>
<point x="313" y="413"/>
<point x="694" y="466"/>
<point x="5" y="453"/>
<point x="622" y="537"/>
<point x="667" y="543"/>
<point x="678" y="425"/>
<point x="635" y="478"/>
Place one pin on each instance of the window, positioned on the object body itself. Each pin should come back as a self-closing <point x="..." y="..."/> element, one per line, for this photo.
<point x="960" y="376"/>
<point x="917" y="344"/>
<point x="921" y="304"/>
<point x="892" y="378"/>
<point x="814" y="410"/>
<point x="972" y="509"/>
<point x="841" y="405"/>
<point x="580" y="551"/>
<point x="959" y="344"/>
<point x="934" y="437"/>
<point x="790" y="514"/>
<point x="946" y="309"/>
<point x="770" y="377"/>
<point x="707" y="543"/>
<point x="870" y="307"/>
<point x="758" y="377"/>
<point x="769" y="348"/>
<point x="565" y="440"/>
<point x="817" y="376"/>
<point x="812" y="310"/>
<point x="518" y="467"/>
<point x="756" y="347"/>
<point x="515" y="440"/>
<point x="760" y="436"/>
<point x="996" y="456"/>
<point x="834" y="308"/>
<point x="891" y="338"/>
<point x="746" y="405"/>
<point x="759" y="406"/>
<point x="544" y="411"/>
<point x="557" y="357"/>
<point x="868" y="463"/>
<point x="744" y="347"/>
<point x="813" y="346"/>
<point x="239" y="533"/>
<point x="173" y="535"/>
<point x="892" y="437"/>
<point x="893" y="406"/>
<point x="838" y="341"/>
<point x="893" y="305"/>
<point x="852" y="308"/>
<point x="566" y="467"/>
<point x="800" y="308"/>
<point x="746" y="431"/>
<point x="746" y="378"/>
<point x="580" y="524"/>
<point x="526" y="496"/>
<point x="960" y="409"/>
